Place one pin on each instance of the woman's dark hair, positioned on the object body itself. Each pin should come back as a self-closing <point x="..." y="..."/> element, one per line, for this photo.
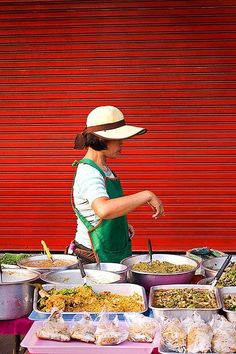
<point x="95" y="142"/>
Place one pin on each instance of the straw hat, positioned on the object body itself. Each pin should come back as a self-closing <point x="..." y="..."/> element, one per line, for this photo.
<point x="108" y="122"/>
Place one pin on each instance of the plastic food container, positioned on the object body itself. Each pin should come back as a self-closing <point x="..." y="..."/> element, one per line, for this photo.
<point x="36" y="345"/>
<point x="206" y="314"/>
<point x="121" y="289"/>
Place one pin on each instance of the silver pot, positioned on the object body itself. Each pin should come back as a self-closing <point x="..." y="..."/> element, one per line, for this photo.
<point x="24" y="263"/>
<point x="73" y="277"/>
<point x="16" y="294"/>
<point x="211" y="266"/>
<point x="151" y="279"/>
<point x="116" y="268"/>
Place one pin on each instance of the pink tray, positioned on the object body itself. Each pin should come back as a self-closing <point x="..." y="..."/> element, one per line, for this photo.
<point x="36" y="345"/>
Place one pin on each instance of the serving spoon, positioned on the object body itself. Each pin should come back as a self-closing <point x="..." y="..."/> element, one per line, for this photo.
<point x="46" y="250"/>
<point x="82" y="271"/>
<point x="150" y="251"/>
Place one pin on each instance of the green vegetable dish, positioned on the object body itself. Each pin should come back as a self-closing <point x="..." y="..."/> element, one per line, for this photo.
<point x="230" y="301"/>
<point x="11" y="258"/>
<point x="184" y="298"/>
<point x="161" y="267"/>
<point x="228" y="278"/>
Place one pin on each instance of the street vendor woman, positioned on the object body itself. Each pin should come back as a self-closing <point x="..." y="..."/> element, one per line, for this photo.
<point x="103" y="233"/>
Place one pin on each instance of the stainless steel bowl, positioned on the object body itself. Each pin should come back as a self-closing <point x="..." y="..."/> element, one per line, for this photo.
<point x="151" y="279"/>
<point x="72" y="262"/>
<point x="73" y="277"/>
<point x="230" y="314"/>
<point x="116" y="268"/>
<point x="211" y="266"/>
<point x="16" y="294"/>
<point x="206" y="281"/>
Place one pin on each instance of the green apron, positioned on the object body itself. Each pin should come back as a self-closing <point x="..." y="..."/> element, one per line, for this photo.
<point x="110" y="238"/>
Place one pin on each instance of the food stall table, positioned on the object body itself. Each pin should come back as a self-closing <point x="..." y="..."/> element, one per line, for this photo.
<point x="18" y="327"/>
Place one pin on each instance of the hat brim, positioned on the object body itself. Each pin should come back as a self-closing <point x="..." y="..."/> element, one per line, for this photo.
<point x="124" y="132"/>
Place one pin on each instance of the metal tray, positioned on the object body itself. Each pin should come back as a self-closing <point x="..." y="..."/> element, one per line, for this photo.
<point x="121" y="289"/>
<point x="163" y="350"/>
<point x="231" y="315"/>
<point x="206" y="314"/>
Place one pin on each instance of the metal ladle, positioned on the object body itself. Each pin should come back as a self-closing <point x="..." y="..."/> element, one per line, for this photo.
<point x="221" y="270"/>
<point x="82" y="271"/>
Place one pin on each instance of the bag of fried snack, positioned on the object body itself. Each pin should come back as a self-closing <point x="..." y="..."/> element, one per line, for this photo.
<point x="141" y="328"/>
<point x="224" y="335"/>
<point x="109" y="331"/>
<point x="83" y="328"/>
<point x="54" y="328"/>
<point x="199" y="334"/>
<point x="173" y="335"/>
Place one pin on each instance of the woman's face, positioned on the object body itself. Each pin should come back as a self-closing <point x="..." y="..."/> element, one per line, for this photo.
<point x="113" y="148"/>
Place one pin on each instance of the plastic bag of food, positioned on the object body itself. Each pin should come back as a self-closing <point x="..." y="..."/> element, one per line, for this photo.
<point x="83" y="328"/>
<point x="199" y="334"/>
<point x="141" y="328"/>
<point x="54" y="328"/>
<point x="173" y="335"/>
<point x="110" y="332"/>
<point x="224" y="335"/>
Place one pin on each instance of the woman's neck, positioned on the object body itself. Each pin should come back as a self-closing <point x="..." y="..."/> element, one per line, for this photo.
<point x="97" y="156"/>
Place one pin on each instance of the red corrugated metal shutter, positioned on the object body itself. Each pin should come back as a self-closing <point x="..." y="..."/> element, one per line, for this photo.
<point x="169" y="65"/>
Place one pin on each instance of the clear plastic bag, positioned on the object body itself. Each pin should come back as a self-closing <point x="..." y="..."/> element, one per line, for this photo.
<point x="224" y="335"/>
<point x="199" y="334"/>
<point x="55" y="328"/>
<point x="109" y="331"/>
<point x="173" y="335"/>
<point x="141" y="328"/>
<point x="83" y="328"/>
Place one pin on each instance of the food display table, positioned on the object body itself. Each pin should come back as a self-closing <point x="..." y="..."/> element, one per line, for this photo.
<point x="18" y="328"/>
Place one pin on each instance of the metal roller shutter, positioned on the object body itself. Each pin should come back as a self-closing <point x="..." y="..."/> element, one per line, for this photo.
<point x="168" y="65"/>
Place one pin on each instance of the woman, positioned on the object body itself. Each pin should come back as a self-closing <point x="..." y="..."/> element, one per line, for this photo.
<point x="103" y="232"/>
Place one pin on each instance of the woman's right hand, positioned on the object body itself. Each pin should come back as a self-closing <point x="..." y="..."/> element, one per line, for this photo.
<point x="156" y="205"/>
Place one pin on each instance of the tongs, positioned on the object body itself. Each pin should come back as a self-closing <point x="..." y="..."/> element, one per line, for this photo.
<point x="98" y="261"/>
<point x="150" y="251"/>
<point x="46" y="250"/>
<point x="82" y="271"/>
<point x="221" y="270"/>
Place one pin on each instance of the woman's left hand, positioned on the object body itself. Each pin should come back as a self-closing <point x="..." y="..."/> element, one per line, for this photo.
<point x="131" y="231"/>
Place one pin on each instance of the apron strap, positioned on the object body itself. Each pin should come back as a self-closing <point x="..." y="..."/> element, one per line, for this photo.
<point x="93" y="164"/>
<point x="81" y="217"/>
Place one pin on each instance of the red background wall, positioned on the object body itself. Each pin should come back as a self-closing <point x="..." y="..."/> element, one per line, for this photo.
<point x="168" y="65"/>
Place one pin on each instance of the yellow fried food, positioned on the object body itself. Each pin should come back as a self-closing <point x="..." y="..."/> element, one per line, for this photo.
<point x="83" y="298"/>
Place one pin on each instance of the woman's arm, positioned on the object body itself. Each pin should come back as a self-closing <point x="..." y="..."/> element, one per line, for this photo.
<point x="107" y="208"/>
